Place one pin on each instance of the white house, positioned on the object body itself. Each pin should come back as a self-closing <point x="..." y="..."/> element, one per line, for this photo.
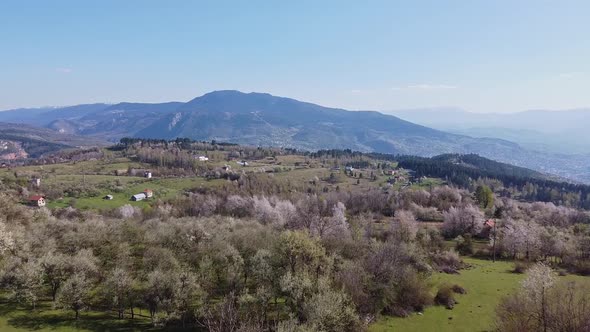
<point x="148" y="174"/>
<point x="138" y="197"/>
<point x="36" y="182"/>
<point x="203" y="158"/>
<point x="148" y="193"/>
<point x="37" y="200"/>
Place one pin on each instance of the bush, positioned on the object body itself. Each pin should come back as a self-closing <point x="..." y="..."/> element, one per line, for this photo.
<point x="464" y="244"/>
<point x="581" y="267"/>
<point x="445" y="296"/>
<point x="447" y="261"/>
<point x="459" y="290"/>
<point x="521" y="267"/>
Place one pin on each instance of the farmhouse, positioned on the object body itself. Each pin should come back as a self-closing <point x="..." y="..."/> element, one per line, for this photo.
<point x="147" y="174"/>
<point x="138" y="197"/>
<point x="203" y="158"/>
<point x="148" y="193"/>
<point x="108" y="197"/>
<point x="37" y="200"/>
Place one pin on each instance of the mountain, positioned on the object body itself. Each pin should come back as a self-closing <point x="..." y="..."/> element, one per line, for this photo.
<point x="265" y="120"/>
<point x="103" y="121"/>
<point x="556" y="131"/>
<point x="18" y="141"/>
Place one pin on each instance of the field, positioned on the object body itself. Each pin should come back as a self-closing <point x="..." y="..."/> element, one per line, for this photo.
<point x="486" y="283"/>
<point x="44" y="318"/>
<point x="100" y="175"/>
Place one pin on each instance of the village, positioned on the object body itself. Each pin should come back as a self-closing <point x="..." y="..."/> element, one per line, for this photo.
<point x="125" y="175"/>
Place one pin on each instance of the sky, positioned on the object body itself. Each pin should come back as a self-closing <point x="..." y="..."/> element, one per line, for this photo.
<point x="481" y="56"/>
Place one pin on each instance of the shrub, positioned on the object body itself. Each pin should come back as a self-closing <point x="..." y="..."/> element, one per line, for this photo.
<point x="521" y="267"/>
<point x="445" y="296"/>
<point x="581" y="267"/>
<point x="459" y="290"/>
<point x="447" y="261"/>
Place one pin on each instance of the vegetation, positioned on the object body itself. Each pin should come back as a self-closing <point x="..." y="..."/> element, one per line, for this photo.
<point x="259" y="239"/>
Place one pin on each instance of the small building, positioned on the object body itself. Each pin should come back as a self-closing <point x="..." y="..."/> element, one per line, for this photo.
<point x="138" y="197"/>
<point x="36" y="182"/>
<point x="488" y="227"/>
<point x="203" y="158"/>
<point x="349" y="168"/>
<point x="226" y="167"/>
<point x="148" y="193"/>
<point x="3" y="165"/>
<point x="243" y="163"/>
<point x="108" y="197"/>
<point x="147" y="174"/>
<point x="37" y="200"/>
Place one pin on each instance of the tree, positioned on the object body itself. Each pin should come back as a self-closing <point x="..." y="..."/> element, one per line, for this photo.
<point x="55" y="270"/>
<point x="458" y="221"/>
<point x="119" y="288"/>
<point x="74" y="294"/>
<point x="484" y="196"/>
<point x="331" y="311"/>
<point x="535" y="286"/>
<point x="187" y="292"/>
<point x="25" y="282"/>
<point x="528" y="308"/>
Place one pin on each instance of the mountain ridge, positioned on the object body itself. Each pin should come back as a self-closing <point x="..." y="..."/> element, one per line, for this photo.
<point x="261" y="119"/>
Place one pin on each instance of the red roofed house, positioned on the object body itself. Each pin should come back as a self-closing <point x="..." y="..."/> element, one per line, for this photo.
<point x="148" y="193"/>
<point x="37" y="200"/>
<point x="487" y="228"/>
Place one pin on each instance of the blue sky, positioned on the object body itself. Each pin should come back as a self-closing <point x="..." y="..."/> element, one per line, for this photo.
<point x="483" y="56"/>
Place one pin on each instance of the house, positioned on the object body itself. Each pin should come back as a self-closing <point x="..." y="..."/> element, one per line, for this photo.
<point x="147" y="174"/>
<point x="36" y="182"/>
<point x="487" y="228"/>
<point x="148" y="193"/>
<point x="243" y="163"/>
<point x="349" y="168"/>
<point x="37" y="200"/>
<point x="203" y="158"/>
<point x="226" y="167"/>
<point x="138" y="197"/>
<point x="3" y="165"/>
<point x="108" y="197"/>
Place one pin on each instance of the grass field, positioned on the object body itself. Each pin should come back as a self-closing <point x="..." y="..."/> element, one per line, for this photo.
<point x="486" y="283"/>
<point x="16" y="319"/>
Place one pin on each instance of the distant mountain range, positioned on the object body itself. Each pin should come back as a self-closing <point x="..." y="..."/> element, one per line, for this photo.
<point x="19" y="141"/>
<point x="555" y="131"/>
<point x="266" y="120"/>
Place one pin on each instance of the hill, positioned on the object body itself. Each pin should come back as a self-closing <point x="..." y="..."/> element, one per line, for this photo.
<point x="560" y="131"/>
<point x="23" y="141"/>
<point x="261" y="119"/>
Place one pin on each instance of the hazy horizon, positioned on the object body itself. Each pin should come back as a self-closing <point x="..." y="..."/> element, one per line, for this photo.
<point x="384" y="111"/>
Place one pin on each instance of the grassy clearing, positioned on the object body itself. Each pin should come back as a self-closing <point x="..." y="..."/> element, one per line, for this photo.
<point x="44" y="318"/>
<point x="486" y="283"/>
<point x="163" y="189"/>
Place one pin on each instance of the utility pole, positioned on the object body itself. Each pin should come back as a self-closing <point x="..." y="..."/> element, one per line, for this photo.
<point x="494" y="243"/>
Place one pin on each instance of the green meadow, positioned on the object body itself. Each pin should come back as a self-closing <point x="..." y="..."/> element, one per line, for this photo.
<point x="486" y="283"/>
